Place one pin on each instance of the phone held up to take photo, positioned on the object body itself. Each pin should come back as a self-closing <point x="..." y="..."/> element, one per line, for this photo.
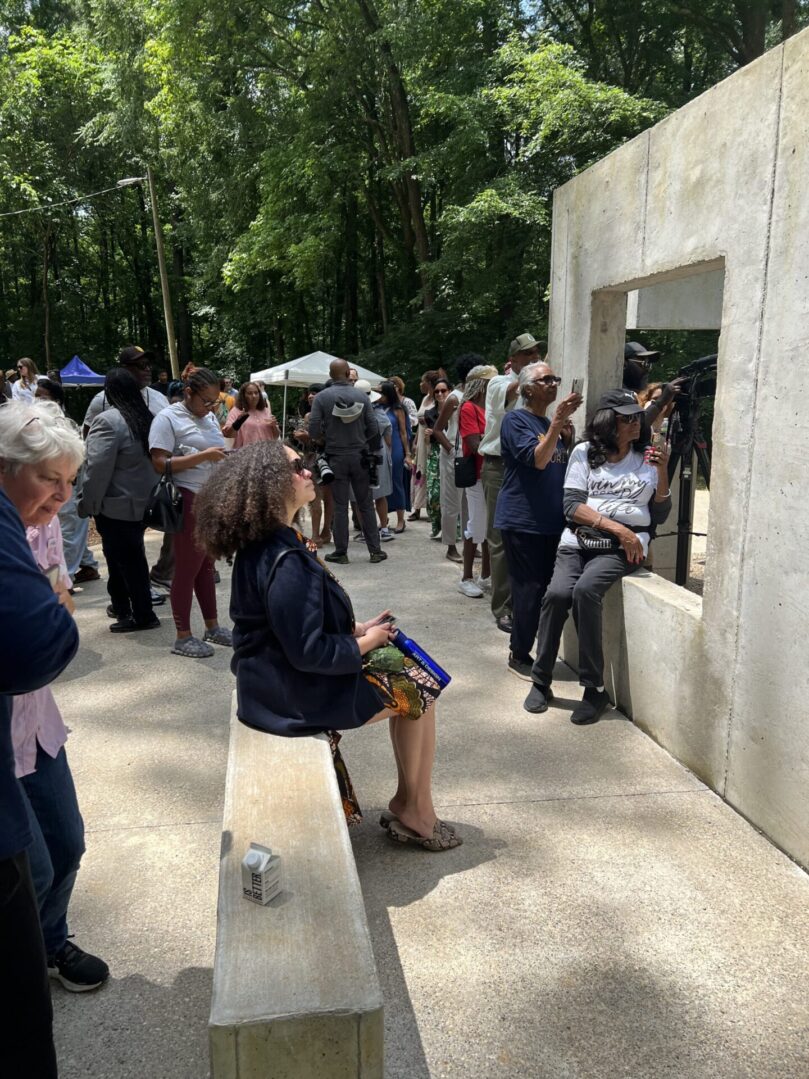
<point x="578" y="386"/>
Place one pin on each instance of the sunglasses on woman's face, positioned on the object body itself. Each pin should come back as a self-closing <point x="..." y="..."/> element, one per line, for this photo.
<point x="634" y="418"/>
<point x="547" y="380"/>
<point x="297" y="465"/>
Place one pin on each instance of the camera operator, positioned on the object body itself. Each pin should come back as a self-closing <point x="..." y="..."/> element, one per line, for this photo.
<point x="638" y="361"/>
<point x="342" y="421"/>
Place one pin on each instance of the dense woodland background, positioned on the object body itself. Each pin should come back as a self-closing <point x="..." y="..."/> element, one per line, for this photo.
<point x="370" y="177"/>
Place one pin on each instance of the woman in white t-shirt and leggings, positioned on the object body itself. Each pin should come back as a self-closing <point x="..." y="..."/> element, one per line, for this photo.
<point x="187" y="435"/>
<point x="613" y="489"/>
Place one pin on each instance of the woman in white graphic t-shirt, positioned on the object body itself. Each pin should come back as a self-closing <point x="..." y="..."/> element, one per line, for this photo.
<point x="616" y="491"/>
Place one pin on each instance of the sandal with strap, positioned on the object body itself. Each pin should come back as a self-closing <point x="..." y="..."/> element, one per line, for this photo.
<point x="444" y="836"/>
<point x="192" y="648"/>
<point x="385" y="817"/>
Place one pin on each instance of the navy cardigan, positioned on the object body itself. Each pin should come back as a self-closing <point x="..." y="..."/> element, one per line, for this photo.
<point x="297" y="664"/>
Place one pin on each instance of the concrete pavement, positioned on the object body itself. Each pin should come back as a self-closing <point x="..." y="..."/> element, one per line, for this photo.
<point x="607" y="915"/>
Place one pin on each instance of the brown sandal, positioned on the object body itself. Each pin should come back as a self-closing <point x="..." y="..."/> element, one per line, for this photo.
<point x="444" y="837"/>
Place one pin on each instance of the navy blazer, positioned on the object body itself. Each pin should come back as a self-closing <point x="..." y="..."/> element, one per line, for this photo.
<point x="297" y="664"/>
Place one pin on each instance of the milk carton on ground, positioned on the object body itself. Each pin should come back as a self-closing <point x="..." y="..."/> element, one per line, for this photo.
<point x="261" y="874"/>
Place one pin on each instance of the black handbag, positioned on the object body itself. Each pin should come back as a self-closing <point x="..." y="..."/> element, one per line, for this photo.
<point x="466" y="473"/>
<point x="164" y="510"/>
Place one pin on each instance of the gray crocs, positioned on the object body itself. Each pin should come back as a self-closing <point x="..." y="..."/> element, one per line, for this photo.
<point x="219" y="635"/>
<point x="192" y="648"/>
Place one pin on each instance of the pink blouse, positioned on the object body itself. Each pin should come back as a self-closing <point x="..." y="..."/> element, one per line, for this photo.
<point x="35" y="717"/>
<point x="260" y="426"/>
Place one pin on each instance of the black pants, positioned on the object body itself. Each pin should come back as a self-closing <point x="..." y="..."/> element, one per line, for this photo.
<point x="530" y="559"/>
<point x="580" y="579"/>
<point x="349" y="474"/>
<point x="26" y="1017"/>
<point x="163" y="569"/>
<point x="128" y="570"/>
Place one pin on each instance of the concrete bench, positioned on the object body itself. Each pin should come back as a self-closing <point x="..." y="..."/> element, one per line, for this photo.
<point x="295" y="989"/>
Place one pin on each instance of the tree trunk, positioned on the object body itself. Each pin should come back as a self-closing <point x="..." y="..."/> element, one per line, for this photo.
<point x="406" y="146"/>
<point x="46" y="309"/>
<point x="350" y="302"/>
<point x="789" y="18"/>
<point x="182" y="318"/>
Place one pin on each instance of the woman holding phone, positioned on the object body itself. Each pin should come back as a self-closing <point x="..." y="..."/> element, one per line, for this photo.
<point x="529" y="513"/>
<point x="613" y="497"/>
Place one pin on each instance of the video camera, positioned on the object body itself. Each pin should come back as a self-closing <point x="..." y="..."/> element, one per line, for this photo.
<point x="371" y="462"/>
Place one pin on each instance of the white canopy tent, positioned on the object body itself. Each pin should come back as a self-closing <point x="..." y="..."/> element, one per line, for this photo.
<point x="304" y="371"/>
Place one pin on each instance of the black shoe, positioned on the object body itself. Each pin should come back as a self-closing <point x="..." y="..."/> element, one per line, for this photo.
<point x="341" y="559"/>
<point x="129" y="625"/>
<point x="84" y="574"/>
<point x="538" y="699"/>
<point x="112" y="613"/>
<point x="378" y="556"/>
<point x="595" y="703"/>
<point x="157" y="598"/>
<point x="78" y="971"/>
<point x="521" y="667"/>
<point x="505" y="623"/>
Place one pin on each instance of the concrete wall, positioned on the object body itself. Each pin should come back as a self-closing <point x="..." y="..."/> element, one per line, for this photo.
<point x="719" y="185"/>
<point x="689" y="303"/>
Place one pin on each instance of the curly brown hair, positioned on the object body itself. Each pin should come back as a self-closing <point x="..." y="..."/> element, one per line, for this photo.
<point x="245" y="500"/>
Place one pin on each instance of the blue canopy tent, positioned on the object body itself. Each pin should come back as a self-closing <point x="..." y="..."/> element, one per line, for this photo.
<point x="77" y="373"/>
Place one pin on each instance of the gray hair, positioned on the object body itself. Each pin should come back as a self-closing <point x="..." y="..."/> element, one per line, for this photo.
<point x="527" y="374"/>
<point x="477" y="379"/>
<point x="30" y="433"/>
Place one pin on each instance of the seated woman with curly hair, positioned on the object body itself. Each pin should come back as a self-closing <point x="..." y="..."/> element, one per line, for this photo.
<point x="299" y="654"/>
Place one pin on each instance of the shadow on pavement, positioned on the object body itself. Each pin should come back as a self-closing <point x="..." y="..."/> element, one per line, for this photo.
<point x="393" y="876"/>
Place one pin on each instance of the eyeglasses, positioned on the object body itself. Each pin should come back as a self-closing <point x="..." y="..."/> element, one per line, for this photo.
<point x="633" y="418"/>
<point x="141" y="365"/>
<point x="206" y="401"/>
<point x="547" y="380"/>
<point x="297" y="465"/>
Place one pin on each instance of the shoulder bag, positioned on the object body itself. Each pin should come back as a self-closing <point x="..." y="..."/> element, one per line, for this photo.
<point x="164" y="510"/>
<point x="466" y="473"/>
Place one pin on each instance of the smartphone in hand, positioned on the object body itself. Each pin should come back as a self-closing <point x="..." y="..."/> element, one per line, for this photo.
<point x="578" y="386"/>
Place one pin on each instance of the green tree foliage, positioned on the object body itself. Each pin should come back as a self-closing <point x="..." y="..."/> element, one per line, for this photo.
<point x="371" y="177"/>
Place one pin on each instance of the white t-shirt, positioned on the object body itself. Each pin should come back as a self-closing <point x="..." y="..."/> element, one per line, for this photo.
<point x="620" y="490"/>
<point x="179" y="432"/>
<point x="452" y="425"/>
<point x="155" y="402"/>
<point x="496" y="408"/>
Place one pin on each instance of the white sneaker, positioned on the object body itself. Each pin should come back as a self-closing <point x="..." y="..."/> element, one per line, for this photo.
<point x="484" y="582"/>
<point x="469" y="588"/>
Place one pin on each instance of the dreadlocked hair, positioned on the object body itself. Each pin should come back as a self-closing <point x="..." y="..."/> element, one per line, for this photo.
<point x="245" y="500"/>
<point x="123" y="392"/>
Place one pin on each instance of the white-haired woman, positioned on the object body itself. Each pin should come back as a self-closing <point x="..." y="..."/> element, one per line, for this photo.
<point x="40" y="453"/>
<point x="529" y="513"/>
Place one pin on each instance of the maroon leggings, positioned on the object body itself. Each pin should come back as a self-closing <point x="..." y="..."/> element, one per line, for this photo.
<point x="193" y="573"/>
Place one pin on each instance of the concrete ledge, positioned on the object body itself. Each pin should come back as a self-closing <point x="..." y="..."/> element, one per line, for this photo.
<point x="295" y="989"/>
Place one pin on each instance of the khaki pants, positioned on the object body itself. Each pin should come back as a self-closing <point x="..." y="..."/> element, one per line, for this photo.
<point x="492" y="477"/>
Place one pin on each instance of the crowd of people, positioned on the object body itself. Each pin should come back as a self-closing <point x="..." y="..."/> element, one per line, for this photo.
<point x="549" y="524"/>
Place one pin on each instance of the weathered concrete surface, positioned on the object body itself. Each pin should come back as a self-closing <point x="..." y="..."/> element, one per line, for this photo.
<point x="688" y="303"/>
<point x="295" y="990"/>
<point x="717" y="186"/>
<point x="606" y="916"/>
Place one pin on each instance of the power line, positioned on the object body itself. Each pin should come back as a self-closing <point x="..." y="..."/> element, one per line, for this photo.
<point x="56" y="205"/>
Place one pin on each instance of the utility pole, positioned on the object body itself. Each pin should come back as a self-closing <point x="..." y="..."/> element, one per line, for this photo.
<point x="164" y="281"/>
